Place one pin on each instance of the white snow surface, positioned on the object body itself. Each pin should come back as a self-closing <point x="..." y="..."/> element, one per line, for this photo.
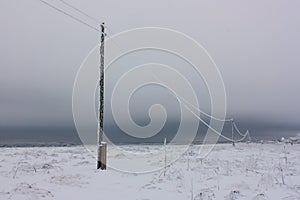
<point x="246" y="171"/>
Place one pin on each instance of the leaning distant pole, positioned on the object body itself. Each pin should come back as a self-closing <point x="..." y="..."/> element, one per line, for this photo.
<point x="101" y="158"/>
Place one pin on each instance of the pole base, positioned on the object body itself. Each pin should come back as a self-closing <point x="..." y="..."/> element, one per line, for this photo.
<point x="101" y="162"/>
<point x="101" y="165"/>
<point x="98" y="164"/>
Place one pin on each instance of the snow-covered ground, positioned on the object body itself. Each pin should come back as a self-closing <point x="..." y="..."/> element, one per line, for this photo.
<point x="248" y="171"/>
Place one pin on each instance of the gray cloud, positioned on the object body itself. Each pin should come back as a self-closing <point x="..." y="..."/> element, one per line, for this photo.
<point x="255" y="44"/>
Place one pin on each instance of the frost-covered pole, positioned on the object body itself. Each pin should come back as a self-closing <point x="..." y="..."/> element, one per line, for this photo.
<point x="101" y="159"/>
<point x="232" y="134"/>
<point x="165" y="148"/>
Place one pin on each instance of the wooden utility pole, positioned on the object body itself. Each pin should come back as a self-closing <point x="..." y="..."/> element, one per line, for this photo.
<point x="101" y="159"/>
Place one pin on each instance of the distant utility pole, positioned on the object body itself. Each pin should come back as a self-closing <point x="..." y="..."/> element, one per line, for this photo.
<point x="232" y="133"/>
<point x="101" y="159"/>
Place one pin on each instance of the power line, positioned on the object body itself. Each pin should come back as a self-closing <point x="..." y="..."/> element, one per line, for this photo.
<point x="179" y="98"/>
<point x="238" y="131"/>
<point x="206" y="124"/>
<point x="214" y="130"/>
<point x="186" y="103"/>
<point x="80" y="11"/>
<point x="69" y="15"/>
<point x="204" y="113"/>
<point x="195" y="108"/>
<point x="79" y="20"/>
<point x="89" y="16"/>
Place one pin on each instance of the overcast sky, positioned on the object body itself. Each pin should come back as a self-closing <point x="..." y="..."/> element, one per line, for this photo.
<point x="255" y="44"/>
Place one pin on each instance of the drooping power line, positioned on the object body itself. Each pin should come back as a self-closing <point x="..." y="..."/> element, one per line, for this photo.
<point x="182" y="100"/>
<point x="186" y="103"/>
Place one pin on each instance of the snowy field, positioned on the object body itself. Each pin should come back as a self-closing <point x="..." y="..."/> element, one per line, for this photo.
<point x="248" y="171"/>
